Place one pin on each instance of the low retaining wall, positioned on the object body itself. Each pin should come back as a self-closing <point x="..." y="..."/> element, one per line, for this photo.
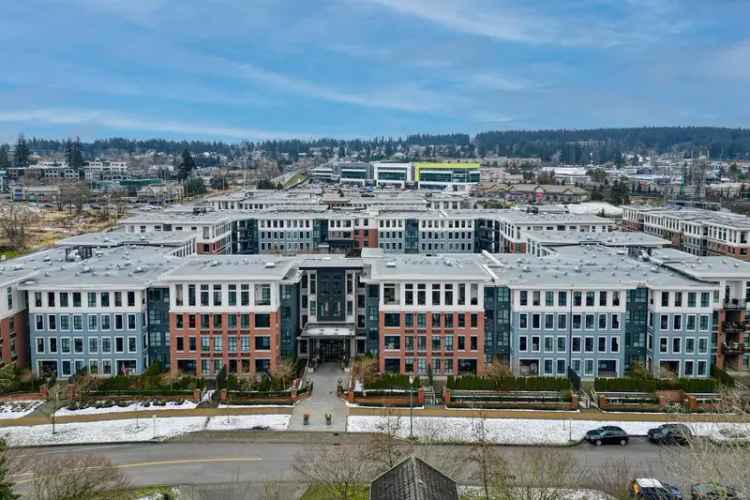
<point x="522" y="400"/>
<point x="385" y="397"/>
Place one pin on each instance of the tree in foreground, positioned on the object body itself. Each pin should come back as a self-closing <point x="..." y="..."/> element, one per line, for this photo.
<point x="339" y="471"/>
<point x="56" y="477"/>
<point x="186" y="167"/>
<point x="6" y="486"/>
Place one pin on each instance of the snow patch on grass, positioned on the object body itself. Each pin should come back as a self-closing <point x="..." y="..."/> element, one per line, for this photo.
<point x="17" y="409"/>
<point x="518" y="431"/>
<point x="171" y="405"/>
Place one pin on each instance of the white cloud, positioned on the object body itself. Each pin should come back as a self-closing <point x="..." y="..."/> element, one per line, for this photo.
<point x="107" y="119"/>
<point x="491" y="81"/>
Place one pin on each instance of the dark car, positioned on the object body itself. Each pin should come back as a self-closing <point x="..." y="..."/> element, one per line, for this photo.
<point x="670" y="434"/>
<point x="653" y="489"/>
<point x="713" y="491"/>
<point x="609" y="434"/>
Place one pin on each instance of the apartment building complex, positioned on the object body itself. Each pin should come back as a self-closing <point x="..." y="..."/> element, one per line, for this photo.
<point x="593" y="309"/>
<point x="696" y="231"/>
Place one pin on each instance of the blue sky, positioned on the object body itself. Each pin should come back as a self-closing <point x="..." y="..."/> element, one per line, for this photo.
<point x="257" y="69"/>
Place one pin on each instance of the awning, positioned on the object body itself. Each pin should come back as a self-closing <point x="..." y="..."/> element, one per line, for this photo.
<point x="328" y="330"/>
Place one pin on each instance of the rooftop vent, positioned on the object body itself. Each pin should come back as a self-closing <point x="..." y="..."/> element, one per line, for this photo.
<point x="390" y="264"/>
<point x="270" y="265"/>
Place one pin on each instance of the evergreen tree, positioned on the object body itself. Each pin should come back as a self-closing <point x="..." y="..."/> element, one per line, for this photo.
<point x="6" y="487"/>
<point x="187" y="165"/>
<point x="195" y="185"/>
<point x="21" y="153"/>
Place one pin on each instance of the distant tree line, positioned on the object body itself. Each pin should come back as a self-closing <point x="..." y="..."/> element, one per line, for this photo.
<point x="566" y="146"/>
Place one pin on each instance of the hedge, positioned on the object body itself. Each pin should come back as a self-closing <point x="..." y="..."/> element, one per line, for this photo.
<point x="652" y="385"/>
<point x="475" y="383"/>
<point x="392" y="381"/>
<point x="723" y="377"/>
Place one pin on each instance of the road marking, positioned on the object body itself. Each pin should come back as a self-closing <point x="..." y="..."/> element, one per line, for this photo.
<point x="164" y="462"/>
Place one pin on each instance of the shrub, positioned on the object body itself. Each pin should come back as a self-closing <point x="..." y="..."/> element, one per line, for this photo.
<point x="392" y="381"/>
<point x="475" y="383"/>
<point x="722" y="376"/>
<point x="630" y="384"/>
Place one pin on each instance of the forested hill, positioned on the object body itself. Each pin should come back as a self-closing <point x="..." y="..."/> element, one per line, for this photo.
<point x="568" y="146"/>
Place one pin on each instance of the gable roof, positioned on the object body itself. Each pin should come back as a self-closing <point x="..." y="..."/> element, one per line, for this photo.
<point x="413" y="479"/>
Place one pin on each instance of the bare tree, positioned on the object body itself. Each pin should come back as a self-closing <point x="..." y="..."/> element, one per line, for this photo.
<point x="385" y="446"/>
<point x="15" y="222"/>
<point x="56" y="477"/>
<point x="484" y="454"/>
<point x="535" y="474"/>
<point x="338" y="470"/>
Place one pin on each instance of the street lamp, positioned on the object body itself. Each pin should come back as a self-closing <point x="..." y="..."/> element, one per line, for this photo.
<point x="411" y="407"/>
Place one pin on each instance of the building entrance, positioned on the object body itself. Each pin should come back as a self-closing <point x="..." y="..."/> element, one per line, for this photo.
<point x="332" y="349"/>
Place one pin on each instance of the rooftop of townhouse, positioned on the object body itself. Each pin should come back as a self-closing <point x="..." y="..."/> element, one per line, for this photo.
<point x="120" y="238"/>
<point x="13" y="270"/>
<point x="704" y="267"/>
<point x="519" y="217"/>
<point x="317" y="261"/>
<point x="112" y="268"/>
<point x="732" y="220"/>
<point x="162" y="217"/>
<point x="584" y="267"/>
<point x="613" y="238"/>
<point x="231" y="268"/>
<point x="469" y="267"/>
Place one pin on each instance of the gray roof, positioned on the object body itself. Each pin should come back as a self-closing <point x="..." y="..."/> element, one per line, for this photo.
<point x="113" y="268"/>
<point x="120" y="238"/>
<point x="468" y="267"/>
<point x="413" y="479"/>
<point x="231" y="268"/>
<point x="612" y="238"/>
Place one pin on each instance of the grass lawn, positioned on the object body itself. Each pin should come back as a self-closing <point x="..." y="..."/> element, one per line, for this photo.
<point x="317" y="492"/>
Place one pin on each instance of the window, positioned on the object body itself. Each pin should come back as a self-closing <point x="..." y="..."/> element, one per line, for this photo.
<point x="119" y="344"/>
<point x="38" y="299"/>
<point x="523" y="320"/>
<point x="204" y="295"/>
<point x="615" y="298"/>
<point x="702" y="345"/>
<point x="663" y="341"/>
<point x="549" y="299"/>
<point x="590" y="296"/>
<point x="589" y="322"/>
<point x="562" y="320"/>
<point x="560" y="344"/>
<point x="119" y="324"/>
<point x="263" y="295"/>
<point x="536" y="321"/>
<point x="536" y="298"/>
<point x="64" y="322"/>
<point x="575" y="345"/>
<point x="704" y="322"/>
<point x="549" y="344"/>
<point x="40" y="345"/>
<point x="615" y="322"/>
<point x="602" y="322"/>
<point x="665" y="299"/>
<point x="131" y="299"/>
<point x="39" y="321"/>
<point x="262" y="320"/>
<point x="106" y="345"/>
<point x="602" y="298"/>
<point x="705" y="299"/>
<point x="52" y="322"/>
<point x="602" y="344"/>
<point x="689" y="368"/>
<point x="690" y="322"/>
<point x="65" y="345"/>
<point x="614" y="344"/>
<point x="549" y="321"/>
<point x="676" y="345"/>
<point x="589" y="344"/>
<point x="131" y="321"/>
<point x="409" y="294"/>
<point x="561" y="367"/>
<point x="50" y="299"/>
<point x="132" y="344"/>
<point x="535" y="347"/>
<point x="677" y="322"/>
<point x="689" y="346"/>
<point x="63" y="299"/>
<point x="218" y="343"/>
<point x="678" y="299"/>
<point x="702" y="368"/>
<point x="178" y="295"/>
<point x="262" y="343"/>
<point x="118" y="299"/>
<point x="692" y="296"/>
<point x="588" y="367"/>
<point x="576" y="321"/>
<point x="77" y="322"/>
<point x="392" y="320"/>
<point x="92" y="322"/>
<point x="562" y="298"/>
<point x="77" y="345"/>
<point x="217" y="295"/>
<point x="474" y="342"/>
<point x="524" y="297"/>
<point x="522" y="343"/>
<point x="664" y="320"/>
<point x="244" y="295"/>
<point x="577" y="299"/>
<point x="53" y="345"/>
<point x="104" y="299"/>
<point x="93" y="345"/>
<point x="548" y="367"/>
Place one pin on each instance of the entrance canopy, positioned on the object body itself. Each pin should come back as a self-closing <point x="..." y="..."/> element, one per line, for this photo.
<point x="328" y="330"/>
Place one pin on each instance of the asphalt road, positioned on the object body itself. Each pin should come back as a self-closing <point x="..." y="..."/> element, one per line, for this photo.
<point x="209" y="458"/>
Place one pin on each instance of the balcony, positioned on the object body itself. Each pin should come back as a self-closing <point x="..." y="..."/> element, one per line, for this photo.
<point x="734" y="304"/>
<point x="733" y="327"/>
<point x="733" y="348"/>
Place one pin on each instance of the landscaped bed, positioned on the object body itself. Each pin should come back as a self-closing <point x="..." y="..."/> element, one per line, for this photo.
<point x="17" y="409"/>
<point x="95" y="407"/>
<point x="507" y="392"/>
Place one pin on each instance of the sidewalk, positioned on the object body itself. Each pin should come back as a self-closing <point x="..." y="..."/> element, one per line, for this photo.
<point x="197" y="412"/>
<point x="322" y="400"/>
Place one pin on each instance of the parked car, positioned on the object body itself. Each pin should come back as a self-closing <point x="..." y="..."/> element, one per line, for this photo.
<point x="670" y="434"/>
<point x="713" y="491"/>
<point x="609" y="434"/>
<point x="653" y="489"/>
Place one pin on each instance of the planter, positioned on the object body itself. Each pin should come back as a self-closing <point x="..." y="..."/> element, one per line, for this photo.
<point x="306" y="419"/>
<point x="329" y="419"/>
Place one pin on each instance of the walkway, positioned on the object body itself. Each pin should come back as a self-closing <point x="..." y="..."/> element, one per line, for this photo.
<point x="323" y="400"/>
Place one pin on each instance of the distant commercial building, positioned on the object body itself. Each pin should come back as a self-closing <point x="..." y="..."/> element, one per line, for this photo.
<point x="446" y="176"/>
<point x="393" y="174"/>
<point x="354" y="172"/>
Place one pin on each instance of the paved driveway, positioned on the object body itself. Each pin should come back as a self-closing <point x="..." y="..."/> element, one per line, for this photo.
<point x="323" y="400"/>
